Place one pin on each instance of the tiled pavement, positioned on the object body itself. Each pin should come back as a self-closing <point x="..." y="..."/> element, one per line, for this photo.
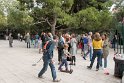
<point x="16" y="67"/>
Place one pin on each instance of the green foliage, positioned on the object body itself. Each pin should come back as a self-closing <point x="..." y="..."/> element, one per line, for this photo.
<point x="45" y="14"/>
<point x="92" y="19"/>
<point x="105" y="19"/>
<point x="19" y="19"/>
<point x="120" y="14"/>
<point x="89" y="18"/>
<point x="3" y="18"/>
<point x="3" y="21"/>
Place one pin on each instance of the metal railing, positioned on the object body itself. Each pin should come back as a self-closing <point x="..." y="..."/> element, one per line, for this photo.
<point x="119" y="40"/>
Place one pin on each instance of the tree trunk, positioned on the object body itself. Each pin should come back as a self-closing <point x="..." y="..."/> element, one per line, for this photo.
<point x="53" y="25"/>
<point x="53" y="29"/>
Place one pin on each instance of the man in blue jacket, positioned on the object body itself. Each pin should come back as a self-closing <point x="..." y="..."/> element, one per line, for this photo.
<point x="48" y="60"/>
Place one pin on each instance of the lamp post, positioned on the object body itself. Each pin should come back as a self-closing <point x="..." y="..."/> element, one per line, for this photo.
<point x="123" y="33"/>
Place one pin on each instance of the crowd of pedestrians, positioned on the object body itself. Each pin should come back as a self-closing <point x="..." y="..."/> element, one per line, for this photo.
<point x="92" y="45"/>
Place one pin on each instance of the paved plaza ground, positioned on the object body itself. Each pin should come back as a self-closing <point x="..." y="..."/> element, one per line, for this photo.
<point x="16" y="67"/>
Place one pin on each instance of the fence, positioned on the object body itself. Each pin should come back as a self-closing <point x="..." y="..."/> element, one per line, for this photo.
<point x="119" y="39"/>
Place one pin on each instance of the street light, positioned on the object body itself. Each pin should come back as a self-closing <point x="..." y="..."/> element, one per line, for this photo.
<point x="123" y="33"/>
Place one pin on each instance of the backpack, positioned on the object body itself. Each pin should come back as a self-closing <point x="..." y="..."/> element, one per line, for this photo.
<point x="47" y="45"/>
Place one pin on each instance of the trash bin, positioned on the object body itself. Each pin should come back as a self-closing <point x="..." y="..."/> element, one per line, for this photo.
<point x="119" y="67"/>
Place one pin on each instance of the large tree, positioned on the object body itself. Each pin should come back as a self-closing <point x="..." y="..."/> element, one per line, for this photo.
<point x="86" y="14"/>
<point x="18" y="19"/>
<point x="3" y="19"/>
<point x="48" y="11"/>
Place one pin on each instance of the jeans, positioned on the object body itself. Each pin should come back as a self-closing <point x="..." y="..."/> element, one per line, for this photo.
<point x="45" y="66"/>
<point x="98" y="54"/>
<point x="36" y="43"/>
<point x="89" y="52"/>
<point x="85" y="48"/>
<point x="105" y="62"/>
<point x="64" y="61"/>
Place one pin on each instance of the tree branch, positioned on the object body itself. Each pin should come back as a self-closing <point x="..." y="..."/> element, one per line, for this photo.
<point x="58" y="26"/>
<point x="39" y="22"/>
<point x="44" y="20"/>
<point x="48" y="22"/>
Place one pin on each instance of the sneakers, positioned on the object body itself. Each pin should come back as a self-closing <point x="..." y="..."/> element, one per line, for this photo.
<point x="89" y="67"/>
<point x="106" y="71"/>
<point x="60" y="69"/>
<point x="97" y="69"/>
<point x="40" y="77"/>
<point x="84" y="58"/>
<point x="71" y="64"/>
<point x="101" y="68"/>
<point x="56" y="80"/>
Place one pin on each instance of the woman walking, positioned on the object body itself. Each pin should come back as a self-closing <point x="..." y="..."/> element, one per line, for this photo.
<point x="105" y="52"/>
<point x="73" y="43"/>
<point x="97" y="50"/>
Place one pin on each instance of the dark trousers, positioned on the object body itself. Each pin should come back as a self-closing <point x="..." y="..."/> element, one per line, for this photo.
<point x="60" y="54"/>
<point x="28" y="44"/>
<point x="10" y="44"/>
<point x="21" y="39"/>
<point x="98" y="54"/>
<point x="73" y="59"/>
<point x="69" y="47"/>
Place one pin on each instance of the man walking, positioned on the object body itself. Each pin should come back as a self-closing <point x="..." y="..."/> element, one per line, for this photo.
<point x="10" y="40"/>
<point x="48" y="59"/>
<point x="28" y="40"/>
<point x="60" y="47"/>
<point x="90" y="46"/>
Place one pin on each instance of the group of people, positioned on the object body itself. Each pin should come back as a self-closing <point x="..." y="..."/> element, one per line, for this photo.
<point x="100" y="46"/>
<point x="94" y="45"/>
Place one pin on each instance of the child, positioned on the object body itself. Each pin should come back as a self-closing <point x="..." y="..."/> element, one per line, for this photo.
<point x="32" y="40"/>
<point x="40" y="45"/>
<point x="64" y="58"/>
